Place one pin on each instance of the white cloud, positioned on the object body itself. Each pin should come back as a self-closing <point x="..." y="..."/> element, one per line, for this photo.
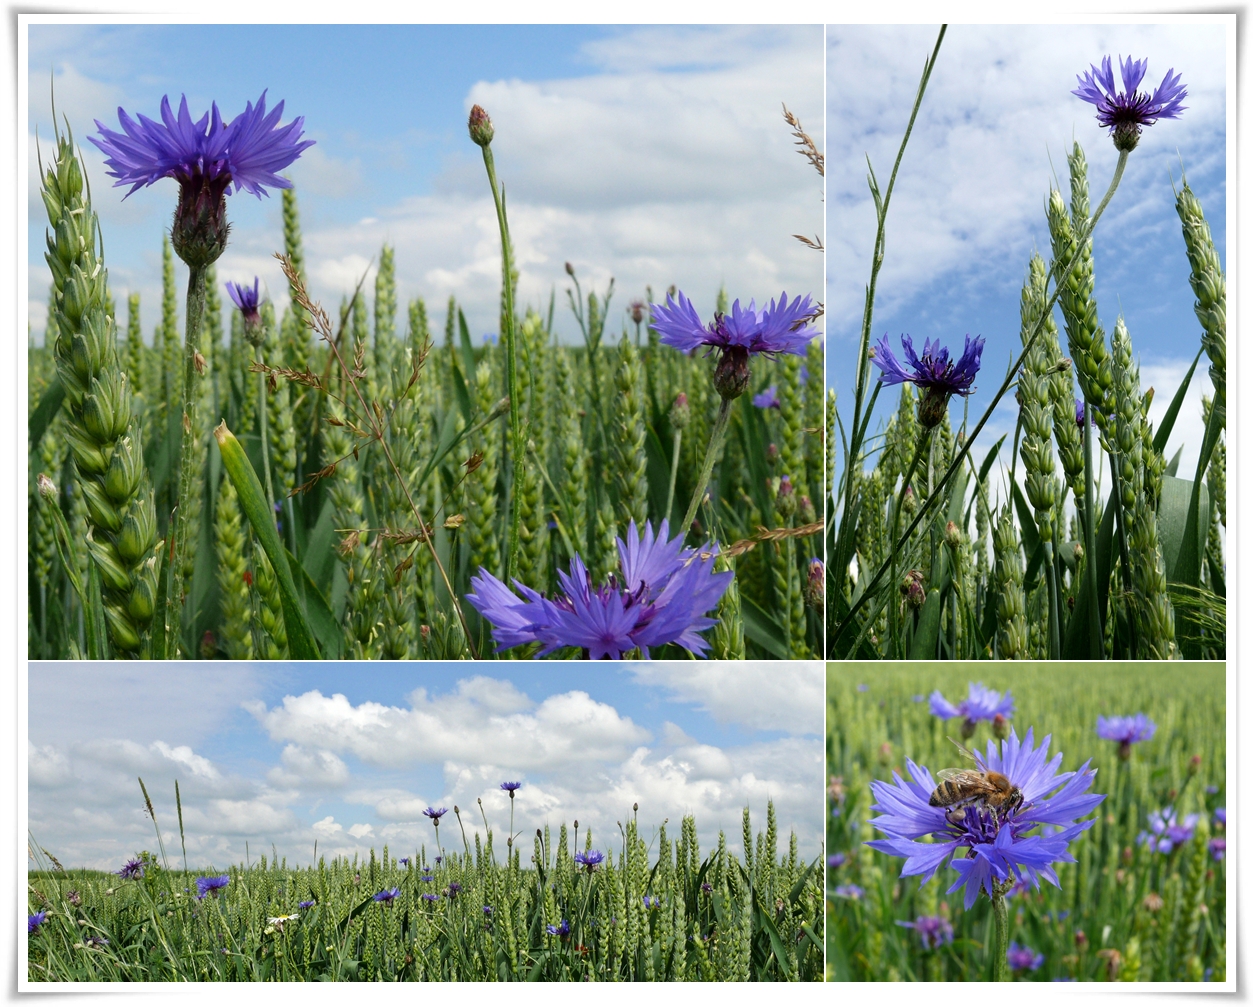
<point x="759" y="695"/>
<point x="361" y="831"/>
<point x="48" y="766"/>
<point x="327" y="827"/>
<point x="302" y="766"/>
<point x="183" y="755"/>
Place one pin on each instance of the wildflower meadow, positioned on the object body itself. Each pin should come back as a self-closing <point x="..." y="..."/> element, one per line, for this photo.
<point x="1106" y="861"/>
<point x="1077" y="535"/>
<point x="369" y="479"/>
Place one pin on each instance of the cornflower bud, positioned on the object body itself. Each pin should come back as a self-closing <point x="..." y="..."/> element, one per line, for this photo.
<point x="913" y="590"/>
<point x="952" y="535"/>
<point x="47" y="488"/>
<point x="680" y="412"/>
<point x="814" y="579"/>
<point x="482" y="131"/>
<point x="785" y="501"/>
<point x="806" y="511"/>
<point x="1000" y="726"/>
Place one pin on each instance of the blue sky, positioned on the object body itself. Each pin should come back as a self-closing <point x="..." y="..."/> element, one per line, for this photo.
<point x="652" y="155"/>
<point x="968" y="210"/>
<point x="348" y="754"/>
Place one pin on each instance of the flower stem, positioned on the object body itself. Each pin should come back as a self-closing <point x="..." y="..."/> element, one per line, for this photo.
<point x="674" y="471"/>
<point x="706" y="469"/>
<point x="1096" y="644"/>
<point x="187" y="473"/>
<point x="1000" y="932"/>
<point x="923" y="441"/>
<point x="516" y="447"/>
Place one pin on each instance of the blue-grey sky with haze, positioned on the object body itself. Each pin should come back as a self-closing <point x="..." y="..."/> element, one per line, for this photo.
<point x="655" y="155"/>
<point x="995" y="126"/>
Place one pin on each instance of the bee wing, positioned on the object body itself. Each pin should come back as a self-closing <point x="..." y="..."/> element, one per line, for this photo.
<point x="966" y="752"/>
<point x="967" y="778"/>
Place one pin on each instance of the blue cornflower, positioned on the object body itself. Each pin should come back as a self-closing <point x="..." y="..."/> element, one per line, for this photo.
<point x="439" y="860"/>
<point x="488" y="910"/>
<point x="248" y="301"/>
<point x="1022" y="958"/>
<point x="1218" y="848"/>
<point x="1126" y="112"/>
<point x="591" y="859"/>
<point x="659" y="596"/>
<point x="563" y="930"/>
<point x="34" y="920"/>
<point x="428" y="877"/>
<point x="933" y="931"/>
<point x="435" y="814"/>
<point x="1080" y="414"/>
<point x="452" y="889"/>
<point x="131" y="870"/>
<point x="211" y="884"/>
<point x="205" y="157"/>
<point x="853" y="892"/>
<point x="1127" y="731"/>
<point x="1220" y="816"/>
<point x="981" y="703"/>
<point x="430" y="897"/>
<point x="386" y="895"/>
<point x="652" y="902"/>
<point x="835" y="860"/>
<point x="510" y="787"/>
<point x="769" y="399"/>
<point x="403" y="861"/>
<point x="988" y="846"/>
<point x="935" y="373"/>
<point x="306" y="904"/>
<point x="1166" y="831"/>
<point x="781" y="327"/>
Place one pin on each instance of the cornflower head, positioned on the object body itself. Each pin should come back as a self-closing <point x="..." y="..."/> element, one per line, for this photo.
<point x="780" y="327"/>
<point x="652" y="902"/>
<point x="306" y="904"/>
<point x="510" y="788"/>
<point x="387" y="895"/>
<point x="248" y="301"/>
<point x="981" y="703"/>
<point x="211" y="884"/>
<point x="769" y="399"/>
<point x="429" y="897"/>
<point x="435" y="814"/>
<point x="853" y="892"/>
<point x="1165" y="831"/>
<point x="590" y="860"/>
<point x="990" y="847"/>
<point x="659" y="596"/>
<point x="1218" y="848"/>
<point x="205" y="157"/>
<point x="35" y="920"/>
<point x="452" y="889"/>
<point x="403" y="861"/>
<point x="1127" y="731"/>
<point x="428" y="877"/>
<point x="1220" y="816"/>
<point x="933" y="931"/>
<point x="131" y="870"/>
<point x="1022" y="959"/>
<point x="934" y="372"/>
<point x="835" y="860"/>
<point x="1127" y="111"/>
<point x="559" y="930"/>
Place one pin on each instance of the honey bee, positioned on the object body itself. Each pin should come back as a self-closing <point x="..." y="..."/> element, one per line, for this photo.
<point x="960" y="788"/>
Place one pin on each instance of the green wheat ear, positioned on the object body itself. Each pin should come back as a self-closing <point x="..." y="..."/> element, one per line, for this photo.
<point x="101" y="431"/>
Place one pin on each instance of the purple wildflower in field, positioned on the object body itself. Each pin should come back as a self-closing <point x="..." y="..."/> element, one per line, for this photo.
<point x="1220" y="816"/>
<point x="1080" y="415"/>
<point x="427" y="877"/>
<point x="1218" y="848"/>
<point x="205" y="157"/>
<point x="938" y="376"/>
<point x="452" y="890"/>
<point x="488" y="910"/>
<point x="131" y="870"/>
<point x="1022" y="958"/>
<point x="1127" y="111"/>
<point x="435" y="814"/>
<point x="438" y="860"/>
<point x="660" y="596"/>
<point x="1127" y="731"/>
<point x="96" y="941"/>
<point x="853" y="892"/>
<point x="1165" y="831"/>
<point x="248" y="301"/>
<point x="981" y="703"/>
<point x="386" y="895"/>
<point x="306" y="904"/>
<point x="403" y="861"/>
<point x="430" y="897"/>
<point x="34" y="920"/>
<point x="835" y="860"/>
<point x="989" y="847"/>
<point x="590" y="860"/>
<point x="933" y="931"/>
<point x="781" y="327"/>
<point x="510" y="787"/>
<point x="561" y="930"/>
<point x="769" y="399"/>
<point x="211" y="884"/>
<point x="652" y="902"/>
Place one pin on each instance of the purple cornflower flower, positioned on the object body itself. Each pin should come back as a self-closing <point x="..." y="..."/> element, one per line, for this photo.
<point x="96" y="941"/>
<point x="428" y="877"/>
<point x="1079" y="413"/>
<point x="981" y="703"/>
<point x="931" y="930"/>
<point x="430" y="897"/>
<point x="34" y="920"/>
<point x="131" y="870"/>
<point x="769" y="399"/>
<point x="387" y="894"/>
<point x="488" y="910"/>
<point x="1218" y="848"/>
<point x="782" y="327"/>
<point x="211" y="884"/>
<point x="591" y="859"/>
<point x="1022" y="958"/>
<point x="1220" y="816"/>
<point x="510" y="788"/>
<point x="403" y="861"/>
<point x="935" y="373"/>
<point x="658" y="597"/>
<point x="435" y="814"/>
<point x="988" y="846"/>
<point x="1127" y="731"/>
<point x="836" y="860"/>
<point x="248" y="301"/>
<point x="306" y="904"/>
<point x="205" y="157"/>
<point x="1166" y="831"/>
<point x="1126" y="112"/>
<point x="853" y="892"/>
<point x="559" y="931"/>
<point x="652" y="902"/>
<point x="439" y="860"/>
<point x="452" y="889"/>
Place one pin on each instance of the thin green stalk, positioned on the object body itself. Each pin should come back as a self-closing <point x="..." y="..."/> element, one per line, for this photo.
<point x="706" y="469"/>
<point x="674" y="471"/>
<point x="923" y="442"/>
<point x="1000" y="932"/>
<point x="960" y="457"/>
<point x="1096" y="640"/>
<point x="187" y="473"/>
<point x="1124" y="550"/>
<point x="1055" y="636"/>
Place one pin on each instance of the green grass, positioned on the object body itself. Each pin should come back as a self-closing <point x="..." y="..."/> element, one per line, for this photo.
<point x="1107" y="893"/>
